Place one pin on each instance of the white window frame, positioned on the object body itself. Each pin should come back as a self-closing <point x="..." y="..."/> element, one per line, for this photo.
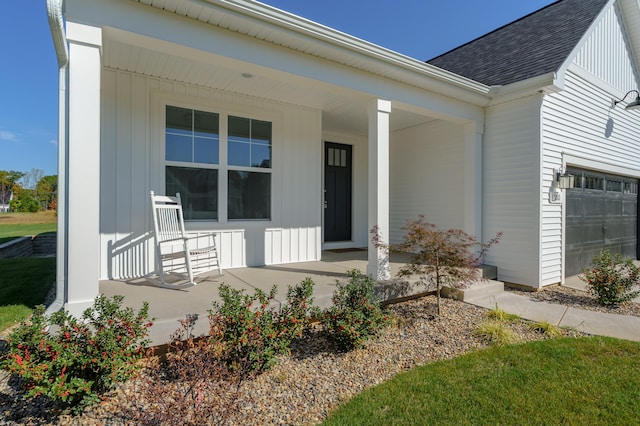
<point x="223" y="167"/>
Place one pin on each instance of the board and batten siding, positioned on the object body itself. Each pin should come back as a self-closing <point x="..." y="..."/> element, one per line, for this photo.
<point x="131" y="164"/>
<point x="426" y="176"/>
<point x="511" y="188"/>
<point x="606" y="54"/>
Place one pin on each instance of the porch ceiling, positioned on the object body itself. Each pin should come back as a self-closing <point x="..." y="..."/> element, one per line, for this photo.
<point x="343" y="110"/>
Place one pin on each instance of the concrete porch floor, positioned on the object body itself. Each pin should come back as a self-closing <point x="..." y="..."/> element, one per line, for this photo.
<point x="168" y="305"/>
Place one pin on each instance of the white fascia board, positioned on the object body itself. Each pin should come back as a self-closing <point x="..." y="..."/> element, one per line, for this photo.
<point x="283" y="19"/>
<point x="448" y="83"/>
<point x="547" y="83"/>
<point x="84" y="34"/>
<point x="56" y="25"/>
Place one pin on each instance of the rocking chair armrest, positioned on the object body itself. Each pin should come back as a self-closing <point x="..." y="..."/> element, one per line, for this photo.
<point x="173" y="240"/>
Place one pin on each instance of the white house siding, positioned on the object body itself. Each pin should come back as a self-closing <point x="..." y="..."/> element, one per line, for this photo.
<point x="581" y="129"/>
<point x="132" y="164"/>
<point x="511" y="188"/>
<point x="427" y="176"/>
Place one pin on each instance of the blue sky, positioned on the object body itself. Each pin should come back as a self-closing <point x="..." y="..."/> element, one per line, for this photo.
<point x="29" y="73"/>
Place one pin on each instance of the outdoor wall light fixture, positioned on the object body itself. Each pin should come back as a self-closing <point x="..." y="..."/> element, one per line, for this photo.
<point x="631" y="105"/>
<point x="564" y="179"/>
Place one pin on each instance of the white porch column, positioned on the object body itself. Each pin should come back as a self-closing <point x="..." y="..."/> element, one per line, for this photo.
<point x="83" y="166"/>
<point x="473" y="180"/>
<point x="378" y="262"/>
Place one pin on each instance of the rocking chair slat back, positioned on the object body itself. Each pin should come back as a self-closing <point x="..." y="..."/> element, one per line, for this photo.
<point x="168" y="222"/>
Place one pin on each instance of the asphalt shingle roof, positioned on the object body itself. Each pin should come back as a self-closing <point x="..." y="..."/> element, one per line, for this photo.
<point x="534" y="45"/>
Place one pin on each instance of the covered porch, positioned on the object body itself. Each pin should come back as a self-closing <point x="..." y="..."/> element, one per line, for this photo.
<point x="408" y="136"/>
<point x="168" y="305"/>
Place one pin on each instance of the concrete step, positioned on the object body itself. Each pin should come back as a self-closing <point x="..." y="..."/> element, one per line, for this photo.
<point x="479" y="289"/>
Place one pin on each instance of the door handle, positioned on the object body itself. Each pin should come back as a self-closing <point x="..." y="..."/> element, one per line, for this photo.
<point x="325" y="204"/>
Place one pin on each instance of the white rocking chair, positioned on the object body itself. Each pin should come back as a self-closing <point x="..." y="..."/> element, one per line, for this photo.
<point x="173" y="244"/>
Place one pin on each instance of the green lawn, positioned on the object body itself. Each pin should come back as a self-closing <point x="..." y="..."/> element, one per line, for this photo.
<point x="11" y="232"/>
<point x="14" y="225"/>
<point x="592" y="381"/>
<point x="24" y="283"/>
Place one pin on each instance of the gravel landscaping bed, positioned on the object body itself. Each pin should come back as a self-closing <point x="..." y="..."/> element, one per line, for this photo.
<point x="305" y="386"/>
<point x="577" y="299"/>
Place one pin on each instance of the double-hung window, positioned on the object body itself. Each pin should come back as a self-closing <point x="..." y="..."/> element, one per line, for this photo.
<point x="249" y="173"/>
<point x="192" y="147"/>
<point x="193" y="166"/>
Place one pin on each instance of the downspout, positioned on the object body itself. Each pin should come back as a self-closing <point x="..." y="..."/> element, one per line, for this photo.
<point x="56" y="24"/>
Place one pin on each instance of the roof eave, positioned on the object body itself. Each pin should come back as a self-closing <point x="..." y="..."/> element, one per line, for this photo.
<point x="449" y="83"/>
<point x="547" y="83"/>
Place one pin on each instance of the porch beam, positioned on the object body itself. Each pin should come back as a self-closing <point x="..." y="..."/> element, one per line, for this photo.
<point x="83" y="167"/>
<point x="378" y="259"/>
<point x="473" y="179"/>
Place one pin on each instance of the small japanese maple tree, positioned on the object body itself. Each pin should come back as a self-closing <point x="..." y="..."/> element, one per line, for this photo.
<point x="439" y="257"/>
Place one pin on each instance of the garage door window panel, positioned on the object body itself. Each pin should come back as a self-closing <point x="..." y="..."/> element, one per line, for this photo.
<point x="601" y="213"/>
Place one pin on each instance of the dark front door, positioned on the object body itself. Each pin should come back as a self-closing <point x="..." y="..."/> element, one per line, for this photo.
<point x="337" y="192"/>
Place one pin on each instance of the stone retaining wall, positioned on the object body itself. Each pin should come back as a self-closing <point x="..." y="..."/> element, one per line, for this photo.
<point x="45" y="245"/>
<point x="38" y="246"/>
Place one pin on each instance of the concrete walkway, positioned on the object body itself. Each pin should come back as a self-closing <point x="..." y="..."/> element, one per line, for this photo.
<point x="598" y="323"/>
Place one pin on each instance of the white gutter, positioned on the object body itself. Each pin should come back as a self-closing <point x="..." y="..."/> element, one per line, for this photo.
<point x="548" y="83"/>
<point x="304" y="26"/>
<point x="56" y="24"/>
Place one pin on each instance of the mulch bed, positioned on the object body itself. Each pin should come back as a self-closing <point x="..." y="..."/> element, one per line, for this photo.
<point x="577" y="299"/>
<point x="306" y="386"/>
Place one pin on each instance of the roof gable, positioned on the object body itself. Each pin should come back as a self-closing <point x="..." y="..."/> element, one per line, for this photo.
<point x="534" y="45"/>
<point x="614" y="65"/>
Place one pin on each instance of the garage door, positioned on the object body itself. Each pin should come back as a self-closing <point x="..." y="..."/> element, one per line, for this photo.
<point x="602" y="213"/>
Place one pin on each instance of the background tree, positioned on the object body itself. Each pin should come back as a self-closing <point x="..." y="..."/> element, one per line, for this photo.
<point x="24" y="200"/>
<point x="439" y="257"/>
<point x="47" y="191"/>
<point x="30" y="179"/>
<point x="8" y="180"/>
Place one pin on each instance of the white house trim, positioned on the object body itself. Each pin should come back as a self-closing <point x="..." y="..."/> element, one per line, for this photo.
<point x="597" y="164"/>
<point x="83" y="171"/>
<point x="522" y="89"/>
<point x="586" y="75"/>
<point x="473" y="179"/>
<point x="379" y="110"/>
